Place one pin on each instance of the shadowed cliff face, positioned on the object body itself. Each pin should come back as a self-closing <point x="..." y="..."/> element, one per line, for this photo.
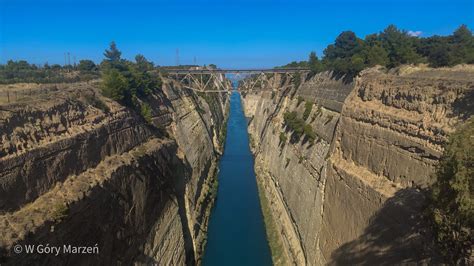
<point x="355" y="193"/>
<point x="73" y="172"/>
<point x="396" y="228"/>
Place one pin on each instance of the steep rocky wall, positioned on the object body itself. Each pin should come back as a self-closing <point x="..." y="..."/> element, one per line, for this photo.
<point x="84" y="172"/>
<point x="389" y="138"/>
<point x="46" y="142"/>
<point x="293" y="175"/>
<point x="199" y="121"/>
<point x="326" y="91"/>
<point x="354" y="194"/>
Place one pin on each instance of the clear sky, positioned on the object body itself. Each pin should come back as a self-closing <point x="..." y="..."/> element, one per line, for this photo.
<point x="236" y="33"/>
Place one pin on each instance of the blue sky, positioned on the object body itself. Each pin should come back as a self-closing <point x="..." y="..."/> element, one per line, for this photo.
<point x="238" y="33"/>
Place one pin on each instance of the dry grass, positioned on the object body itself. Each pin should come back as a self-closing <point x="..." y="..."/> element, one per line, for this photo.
<point x="29" y="92"/>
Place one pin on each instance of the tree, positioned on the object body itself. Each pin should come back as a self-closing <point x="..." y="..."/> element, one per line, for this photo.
<point x="357" y="64"/>
<point x="314" y="64"/>
<point x="86" y="65"/>
<point x="126" y="81"/>
<point x="113" y="54"/>
<point x="142" y="83"/>
<point x="440" y="55"/>
<point x="344" y="56"/>
<point x="114" y="85"/>
<point x="345" y="46"/>
<point x="462" y="43"/>
<point x="376" y="55"/>
<point x="295" y="64"/>
<point x="462" y="34"/>
<point x="399" y="46"/>
<point x="142" y="63"/>
<point x="452" y="203"/>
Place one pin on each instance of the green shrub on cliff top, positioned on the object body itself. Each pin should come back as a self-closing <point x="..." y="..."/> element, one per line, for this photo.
<point x="114" y="85"/>
<point x="22" y="71"/>
<point x="392" y="47"/>
<point x="129" y="83"/>
<point x="452" y="204"/>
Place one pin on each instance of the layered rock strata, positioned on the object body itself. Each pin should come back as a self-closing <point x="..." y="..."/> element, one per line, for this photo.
<point x="355" y="193"/>
<point x="79" y="169"/>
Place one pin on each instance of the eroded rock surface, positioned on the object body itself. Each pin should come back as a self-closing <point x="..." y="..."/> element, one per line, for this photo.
<point x="354" y="195"/>
<point x="80" y="171"/>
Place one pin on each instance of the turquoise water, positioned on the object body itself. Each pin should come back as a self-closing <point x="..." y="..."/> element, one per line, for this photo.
<point x="236" y="234"/>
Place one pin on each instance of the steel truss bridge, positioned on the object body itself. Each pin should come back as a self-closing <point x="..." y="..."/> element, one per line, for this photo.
<point x="203" y="79"/>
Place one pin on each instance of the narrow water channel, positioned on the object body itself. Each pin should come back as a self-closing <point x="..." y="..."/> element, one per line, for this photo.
<point x="236" y="234"/>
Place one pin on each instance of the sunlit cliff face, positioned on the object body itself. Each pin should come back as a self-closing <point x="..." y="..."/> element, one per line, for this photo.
<point x="376" y="144"/>
<point x="148" y="185"/>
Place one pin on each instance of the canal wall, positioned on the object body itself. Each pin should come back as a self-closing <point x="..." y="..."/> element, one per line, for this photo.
<point x="79" y="169"/>
<point x="349" y="188"/>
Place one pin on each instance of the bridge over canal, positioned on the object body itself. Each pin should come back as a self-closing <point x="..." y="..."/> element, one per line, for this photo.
<point x="200" y="78"/>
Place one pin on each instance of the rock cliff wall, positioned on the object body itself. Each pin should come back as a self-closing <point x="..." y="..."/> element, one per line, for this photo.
<point x="78" y="169"/>
<point x="354" y="194"/>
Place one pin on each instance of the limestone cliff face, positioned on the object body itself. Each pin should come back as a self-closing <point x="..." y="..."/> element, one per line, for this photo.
<point x="354" y="194"/>
<point x="85" y="172"/>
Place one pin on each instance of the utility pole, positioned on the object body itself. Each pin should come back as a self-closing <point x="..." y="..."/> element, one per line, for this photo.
<point x="177" y="56"/>
<point x="195" y="60"/>
<point x="68" y="59"/>
<point x="74" y="57"/>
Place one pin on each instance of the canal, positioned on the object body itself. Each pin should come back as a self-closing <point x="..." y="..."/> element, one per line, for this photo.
<point x="236" y="234"/>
